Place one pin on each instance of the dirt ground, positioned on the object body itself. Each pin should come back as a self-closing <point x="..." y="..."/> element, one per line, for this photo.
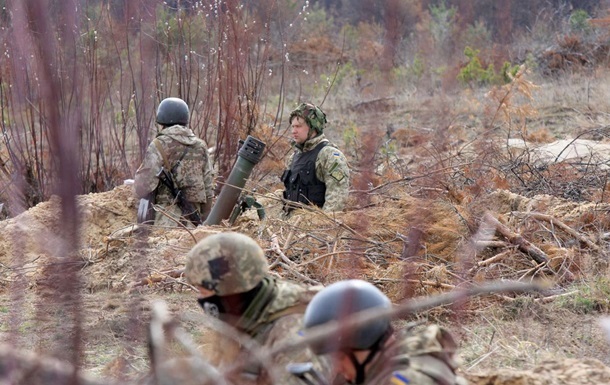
<point x="412" y="236"/>
<point x="123" y="272"/>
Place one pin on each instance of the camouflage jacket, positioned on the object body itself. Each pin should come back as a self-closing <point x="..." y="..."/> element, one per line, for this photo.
<point x="331" y="168"/>
<point x="187" y="155"/>
<point x="277" y="321"/>
<point x="422" y="357"/>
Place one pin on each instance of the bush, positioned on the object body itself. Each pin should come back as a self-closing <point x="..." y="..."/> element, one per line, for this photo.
<point x="474" y="73"/>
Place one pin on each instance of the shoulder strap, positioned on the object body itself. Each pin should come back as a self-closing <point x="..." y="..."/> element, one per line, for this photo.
<point x="160" y="149"/>
<point x="164" y="156"/>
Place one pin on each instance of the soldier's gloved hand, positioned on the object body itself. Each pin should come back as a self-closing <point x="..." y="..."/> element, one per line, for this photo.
<point x="206" y="209"/>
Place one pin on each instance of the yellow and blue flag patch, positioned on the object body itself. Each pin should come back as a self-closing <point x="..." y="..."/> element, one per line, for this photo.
<point x="399" y="379"/>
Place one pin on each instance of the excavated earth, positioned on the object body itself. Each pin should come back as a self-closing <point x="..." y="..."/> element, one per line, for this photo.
<point x="124" y="268"/>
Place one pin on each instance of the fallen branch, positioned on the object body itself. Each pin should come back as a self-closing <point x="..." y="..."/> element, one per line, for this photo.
<point x="484" y="244"/>
<point x="161" y="276"/>
<point x="522" y="244"/>
<point x="430" y="283"/>
<point x="556" y="222"/>
<point x="548" y="299"/>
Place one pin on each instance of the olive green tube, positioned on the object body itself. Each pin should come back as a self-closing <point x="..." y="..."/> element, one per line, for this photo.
<point x="249" y="154"/>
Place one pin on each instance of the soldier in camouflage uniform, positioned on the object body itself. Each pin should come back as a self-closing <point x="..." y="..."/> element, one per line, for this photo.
<point x="317" y="172"/>
<point x="185" y="156"/>
<point x="374" y="354"/>
<point x="231" y="273"/>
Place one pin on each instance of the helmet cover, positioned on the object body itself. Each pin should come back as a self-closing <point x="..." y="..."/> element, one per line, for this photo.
<point x="313" y="116"/>
<point x="226" y="263"/>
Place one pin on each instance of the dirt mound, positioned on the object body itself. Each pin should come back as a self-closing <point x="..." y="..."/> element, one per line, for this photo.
<point x="407" y="246"/>
<point x="396" y="239"/>
<point x="564" y="372"/>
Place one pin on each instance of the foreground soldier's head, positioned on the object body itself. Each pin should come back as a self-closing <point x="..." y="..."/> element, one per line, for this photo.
<point x="227" y="269"/>
<point x="352" y="348"/>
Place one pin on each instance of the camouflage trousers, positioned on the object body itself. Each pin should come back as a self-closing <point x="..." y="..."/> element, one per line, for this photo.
<point x="171" y="216"/>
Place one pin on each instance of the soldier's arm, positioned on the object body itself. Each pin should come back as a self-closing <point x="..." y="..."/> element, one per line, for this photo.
<point x="288" y="328"/>
<point x="146" y="180"/>
<point x="432" y="359"/>
<point x="333" y="170"/>
<point x="208" y="179"/>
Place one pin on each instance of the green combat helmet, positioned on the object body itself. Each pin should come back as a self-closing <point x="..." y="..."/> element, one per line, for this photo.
<point x="226" y="263"/>
<point x="313" y="115"/>
<point x="172" y="111"/>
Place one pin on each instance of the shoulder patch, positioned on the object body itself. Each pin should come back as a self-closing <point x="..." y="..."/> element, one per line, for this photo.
<point x="399" y="379"/>
<point x="338" y="175"/>
<point x="336" y="172"/>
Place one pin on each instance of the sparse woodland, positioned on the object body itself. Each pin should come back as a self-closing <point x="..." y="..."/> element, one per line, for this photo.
<point x="477" y="132"/>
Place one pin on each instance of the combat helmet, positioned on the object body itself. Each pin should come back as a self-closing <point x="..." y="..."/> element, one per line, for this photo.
<point x="341" y="300"/>
<point x="172" y="111"/>
<point x="313" y="115"/>
<point x="226" y="263"/>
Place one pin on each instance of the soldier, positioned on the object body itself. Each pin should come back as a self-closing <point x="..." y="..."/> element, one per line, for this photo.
<point x="231" y="273"/>
<point x="184" y="157"/>
<point x="317" y="172"/>
<point x="374" y="354"/>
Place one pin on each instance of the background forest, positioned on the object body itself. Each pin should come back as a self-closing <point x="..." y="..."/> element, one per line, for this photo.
<point x="80" y="80"/>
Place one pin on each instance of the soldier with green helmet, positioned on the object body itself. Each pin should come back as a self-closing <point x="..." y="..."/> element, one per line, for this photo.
<point x="184" y="157"/>
<point x="317" y="172"/>
<point x="374" y="353"/>
<point x="230" y="271"/>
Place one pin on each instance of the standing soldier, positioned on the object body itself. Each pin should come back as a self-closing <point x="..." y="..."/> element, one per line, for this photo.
<point x="374" y="354"/>
<point x="176" y="157"/>
<point x="317" y="172"/>
<point x="231" y="273"/>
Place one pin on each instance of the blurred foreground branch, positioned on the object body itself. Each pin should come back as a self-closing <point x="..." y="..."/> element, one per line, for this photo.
<point x="321" y="333"/>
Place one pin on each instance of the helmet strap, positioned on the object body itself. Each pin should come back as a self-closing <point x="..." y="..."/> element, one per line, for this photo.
<point x="360" y="367"/>
<point x="373" y="350"/>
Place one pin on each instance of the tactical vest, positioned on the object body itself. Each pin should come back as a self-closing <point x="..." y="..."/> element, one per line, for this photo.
<point x="300" y="180"/>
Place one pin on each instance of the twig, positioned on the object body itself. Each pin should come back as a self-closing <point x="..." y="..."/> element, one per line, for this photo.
<point x="291" y="234"/>
<point x="431" y="283"/>
<point x="305" y="278"/>
<point x="325" y="256"/>
<point x="495" y="258"/>
<point x="275" y="247"/>
<point x="413" y="177"/>
<point x="556" y="222"/>
<point x="180" y="224"/>
<point x="163" y="275"/>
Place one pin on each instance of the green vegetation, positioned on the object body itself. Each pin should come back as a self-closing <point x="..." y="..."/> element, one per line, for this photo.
<point x="579" y="21"/>
<point x="473" y="73"/>
<point x="588" y="297"/>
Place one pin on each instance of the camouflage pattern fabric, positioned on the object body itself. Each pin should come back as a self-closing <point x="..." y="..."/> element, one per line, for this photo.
<point x="226" y="263"/>
<point x="421" y="357"/>
<point x="313" y="116"/>
<point x="331" y="168"/>
<point x="193" y="175"/>
<point x="279" y="320"/>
